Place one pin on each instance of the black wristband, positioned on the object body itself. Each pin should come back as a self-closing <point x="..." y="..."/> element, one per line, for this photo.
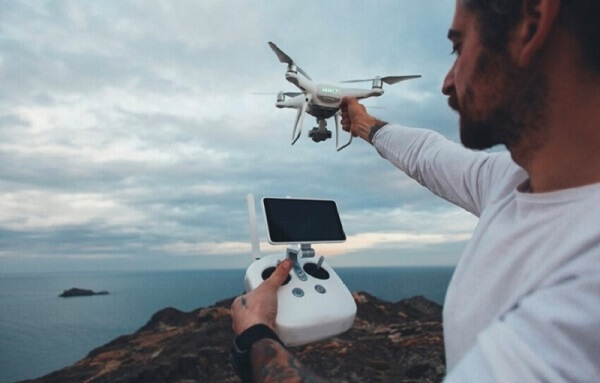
<point x="376" y="126"/>
<point x="239" y="356"/>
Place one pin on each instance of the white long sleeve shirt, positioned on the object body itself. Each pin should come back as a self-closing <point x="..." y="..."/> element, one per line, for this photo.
<point x="524" y="302"/>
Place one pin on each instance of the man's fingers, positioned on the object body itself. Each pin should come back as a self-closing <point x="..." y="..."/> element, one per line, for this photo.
<point x="348" y="102"/>
<point x="281" y="273"/>
<point x="346" y="124"/>
<point x="344" y="103"/>
<point x="355" y="107"/>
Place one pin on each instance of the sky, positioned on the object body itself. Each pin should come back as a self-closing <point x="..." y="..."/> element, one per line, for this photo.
<point x="130" y="134"/>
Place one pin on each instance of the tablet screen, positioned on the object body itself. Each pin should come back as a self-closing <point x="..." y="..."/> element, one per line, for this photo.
<point x="302" y="221"/>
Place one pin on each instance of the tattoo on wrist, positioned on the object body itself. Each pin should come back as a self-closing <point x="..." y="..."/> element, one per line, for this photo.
<point x="244" y="303"/>
<point x="376" y="126"/>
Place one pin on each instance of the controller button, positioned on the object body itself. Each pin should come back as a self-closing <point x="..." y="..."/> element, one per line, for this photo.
<point x="320" y="289"/>
<point x="298" y="292"/>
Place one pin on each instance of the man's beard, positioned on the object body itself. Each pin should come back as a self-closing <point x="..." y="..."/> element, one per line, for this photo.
<point x="516" y="104"/>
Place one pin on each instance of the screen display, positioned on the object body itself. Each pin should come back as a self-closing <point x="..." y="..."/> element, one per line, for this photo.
<point x="302" y="221"/>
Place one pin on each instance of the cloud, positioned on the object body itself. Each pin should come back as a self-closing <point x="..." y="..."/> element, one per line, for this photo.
<point x="390" y="240"/>
<point x="42" y="210"/>
<point x="129" y="136"/>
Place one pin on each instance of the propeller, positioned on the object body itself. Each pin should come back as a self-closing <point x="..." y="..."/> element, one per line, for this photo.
<point x="388" y="79"/>
<point x="288" y="94"/>
<point x="287" y="59"/>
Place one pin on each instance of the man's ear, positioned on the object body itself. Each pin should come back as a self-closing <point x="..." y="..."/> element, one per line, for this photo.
<point x="538" y="19"/>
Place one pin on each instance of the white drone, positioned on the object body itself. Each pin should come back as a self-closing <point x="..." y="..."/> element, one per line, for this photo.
<point x="322" y="100"/>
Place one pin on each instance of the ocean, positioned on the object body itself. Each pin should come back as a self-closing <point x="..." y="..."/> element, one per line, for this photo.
<point x="40" y="332"/>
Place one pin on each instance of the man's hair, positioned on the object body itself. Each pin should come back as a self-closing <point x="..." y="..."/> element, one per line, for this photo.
<point x="497" y="19"/>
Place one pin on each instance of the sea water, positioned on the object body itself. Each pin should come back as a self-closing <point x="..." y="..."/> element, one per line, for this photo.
<point x="40" y="332"/>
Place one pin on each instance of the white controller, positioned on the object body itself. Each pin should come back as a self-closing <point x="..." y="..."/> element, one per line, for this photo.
<point x="313" y="303"/>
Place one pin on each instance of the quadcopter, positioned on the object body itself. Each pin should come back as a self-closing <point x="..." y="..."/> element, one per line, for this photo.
<point x="323" y="100"/>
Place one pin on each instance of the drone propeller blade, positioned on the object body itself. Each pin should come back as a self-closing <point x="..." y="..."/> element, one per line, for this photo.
<point x="352" y="81"/>
<point x="394" y="79"/>
<point x="280" y="54"/>
<point x="284" y="58"/>
<point x="288" y="94"/>
<point x="388" y="79"/>
<point x="303" y="72"/>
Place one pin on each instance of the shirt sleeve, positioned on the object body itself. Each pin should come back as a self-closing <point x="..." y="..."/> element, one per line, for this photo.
<point x="550" y="336"/>
<point x="452" y="172"/>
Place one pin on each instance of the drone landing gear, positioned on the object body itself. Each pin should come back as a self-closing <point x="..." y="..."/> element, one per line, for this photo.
<point x="320" y="133"/>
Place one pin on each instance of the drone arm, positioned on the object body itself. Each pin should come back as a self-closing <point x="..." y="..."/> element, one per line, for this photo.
<point x="362" y="93"/>
<point x="296" y="102"/>
<point x="338" y="117"/>
<point x="299" y="120"/>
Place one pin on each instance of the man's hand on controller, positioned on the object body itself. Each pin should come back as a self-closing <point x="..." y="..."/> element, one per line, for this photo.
<point x="356" y="120"/>
<point x="260" y="305"/>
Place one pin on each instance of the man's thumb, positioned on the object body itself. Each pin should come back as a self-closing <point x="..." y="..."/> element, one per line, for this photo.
<point x="281" y="273"/>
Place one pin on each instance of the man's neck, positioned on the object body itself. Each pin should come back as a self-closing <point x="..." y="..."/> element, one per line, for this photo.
<point x="569" y="154"/>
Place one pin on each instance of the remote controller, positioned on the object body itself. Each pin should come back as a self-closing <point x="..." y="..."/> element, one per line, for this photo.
<point x="313" y="302"/>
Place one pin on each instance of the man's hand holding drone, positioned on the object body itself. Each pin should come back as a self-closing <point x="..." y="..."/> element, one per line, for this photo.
<point x="357" y="121"/>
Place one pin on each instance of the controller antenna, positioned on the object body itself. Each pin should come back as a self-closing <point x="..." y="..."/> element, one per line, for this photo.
<point x="253" y="228"/>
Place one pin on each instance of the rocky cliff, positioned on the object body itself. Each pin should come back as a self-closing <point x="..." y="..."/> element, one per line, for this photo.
<point x="389" y="342"/>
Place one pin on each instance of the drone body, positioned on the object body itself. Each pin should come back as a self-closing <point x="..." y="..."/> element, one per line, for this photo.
<point x="322" y="100"/>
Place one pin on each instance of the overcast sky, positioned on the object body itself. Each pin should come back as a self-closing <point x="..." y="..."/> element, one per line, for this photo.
<point x="129" y="134"/>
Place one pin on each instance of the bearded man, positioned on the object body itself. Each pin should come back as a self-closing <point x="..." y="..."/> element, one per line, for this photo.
<point x="524" y="301"/>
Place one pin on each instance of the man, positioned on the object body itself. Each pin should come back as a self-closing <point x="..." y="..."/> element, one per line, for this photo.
<point x="524" y="302"/>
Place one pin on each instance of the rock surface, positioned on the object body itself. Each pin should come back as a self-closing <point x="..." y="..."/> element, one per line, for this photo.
<point x="77" y="292"/>
<point x="389" y="342"/>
